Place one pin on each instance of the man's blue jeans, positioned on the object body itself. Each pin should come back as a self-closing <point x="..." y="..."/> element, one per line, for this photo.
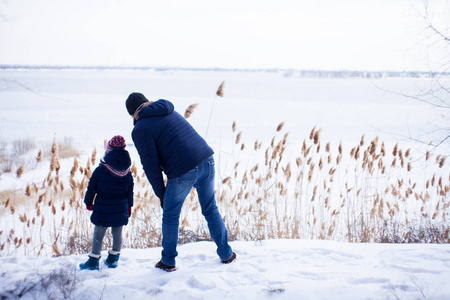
<point x="177" y="189"/>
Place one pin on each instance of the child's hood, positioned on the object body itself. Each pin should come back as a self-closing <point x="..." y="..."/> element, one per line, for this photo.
<point x="118" y="159"/>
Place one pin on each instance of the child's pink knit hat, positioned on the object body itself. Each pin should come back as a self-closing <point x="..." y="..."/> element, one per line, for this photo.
<point x="116" y="143"/>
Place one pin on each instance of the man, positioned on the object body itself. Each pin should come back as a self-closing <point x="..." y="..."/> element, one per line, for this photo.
<point x="167" y="142"/>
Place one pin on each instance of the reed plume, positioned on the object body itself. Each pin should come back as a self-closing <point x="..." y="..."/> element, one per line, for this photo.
<point x="221" y="90"/>
<point x="74" y="168"/>
<point x="441" y="162"/>
<point x="316" y="136"/>
<point x="238" y="137"/>
<point x="20" y="170"/>
<point x="39" y="156"/>
<point x="219" y="93"/>
<point x="311" y="134"/>
<point x="28" y="191"/>
<point x="280" y="126"/>
<point x="54" y="164"/>
<point x="94" y="156"/>
<point x="190" y="110"/>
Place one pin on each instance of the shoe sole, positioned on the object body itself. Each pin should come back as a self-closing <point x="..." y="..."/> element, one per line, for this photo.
<point x="167" y="270"/>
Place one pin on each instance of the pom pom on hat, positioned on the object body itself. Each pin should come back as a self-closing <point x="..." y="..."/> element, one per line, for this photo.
<point x="116" y="143"/>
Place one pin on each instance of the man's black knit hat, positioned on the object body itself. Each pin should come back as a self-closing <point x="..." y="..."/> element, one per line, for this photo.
<point x="134" y="101"/>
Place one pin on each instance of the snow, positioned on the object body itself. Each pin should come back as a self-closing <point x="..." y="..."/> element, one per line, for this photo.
<point x="270" y="269"/>
<point x="88" y="107"/>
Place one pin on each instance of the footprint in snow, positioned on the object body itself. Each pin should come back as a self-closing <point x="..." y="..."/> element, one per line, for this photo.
<point x="195" y="284"/>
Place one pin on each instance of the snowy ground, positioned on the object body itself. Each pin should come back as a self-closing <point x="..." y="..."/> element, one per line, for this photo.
<point x="274" y="269"/>
<point x="88" y="107"/>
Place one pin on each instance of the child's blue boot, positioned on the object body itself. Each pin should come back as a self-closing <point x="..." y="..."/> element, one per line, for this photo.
<point x="113" y="259"/>
<point x="91" y="264"/>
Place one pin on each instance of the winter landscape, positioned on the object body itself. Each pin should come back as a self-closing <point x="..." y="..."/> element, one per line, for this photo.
<point x="324" y="189"/>
<point x="330" y="134"/>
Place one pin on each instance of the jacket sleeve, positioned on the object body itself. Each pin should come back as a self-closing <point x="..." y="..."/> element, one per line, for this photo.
<point x="130" y="192"/>
<point x="148" y="153"/>
<point x="91" y="190"/>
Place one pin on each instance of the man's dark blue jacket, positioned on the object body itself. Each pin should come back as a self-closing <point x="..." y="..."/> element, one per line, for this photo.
<point x="113" y="194"/>
<point x="167" y="142"/>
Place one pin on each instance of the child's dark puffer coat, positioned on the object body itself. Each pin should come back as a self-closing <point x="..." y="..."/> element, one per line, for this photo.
<point x="113" y="194"/>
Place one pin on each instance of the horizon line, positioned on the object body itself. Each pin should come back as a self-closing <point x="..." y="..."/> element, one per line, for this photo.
<point x="300" y="72"/>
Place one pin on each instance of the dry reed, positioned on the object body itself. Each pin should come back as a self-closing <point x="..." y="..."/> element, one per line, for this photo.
<point x="221" y="89"/>
<point x="190" y="110"/>
<point x="20" y="170"/>
<point x="312" y="192"/>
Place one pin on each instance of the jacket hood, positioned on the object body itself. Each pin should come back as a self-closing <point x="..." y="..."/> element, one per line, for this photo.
<point x="118" y="159"/>
<point x="158" y="108"/>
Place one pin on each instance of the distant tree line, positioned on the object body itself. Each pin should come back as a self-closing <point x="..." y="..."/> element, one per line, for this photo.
<point x="283" y="72"/>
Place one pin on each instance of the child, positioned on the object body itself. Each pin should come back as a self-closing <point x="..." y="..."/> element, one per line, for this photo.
<point x="111" y="185"/>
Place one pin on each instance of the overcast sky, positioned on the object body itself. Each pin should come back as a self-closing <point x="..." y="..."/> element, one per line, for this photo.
<point x="300" y="34"/>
